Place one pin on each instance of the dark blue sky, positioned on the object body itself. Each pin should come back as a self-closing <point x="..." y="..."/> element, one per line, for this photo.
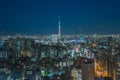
<point x="77" y="16"/>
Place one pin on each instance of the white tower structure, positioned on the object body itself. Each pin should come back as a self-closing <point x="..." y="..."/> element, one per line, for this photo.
<point x="59" y="29"/>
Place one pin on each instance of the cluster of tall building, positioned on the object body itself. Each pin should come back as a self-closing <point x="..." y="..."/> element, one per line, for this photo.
<point x="56" y="55"/>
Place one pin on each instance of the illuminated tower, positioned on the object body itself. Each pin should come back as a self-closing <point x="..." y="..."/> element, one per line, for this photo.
<point x="59" y="29"/>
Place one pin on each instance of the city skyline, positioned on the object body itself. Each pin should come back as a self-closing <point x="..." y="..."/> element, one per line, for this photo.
<point x="77" y="17"/>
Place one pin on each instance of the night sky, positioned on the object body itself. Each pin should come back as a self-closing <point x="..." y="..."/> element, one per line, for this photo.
<point x="77" y="16"/>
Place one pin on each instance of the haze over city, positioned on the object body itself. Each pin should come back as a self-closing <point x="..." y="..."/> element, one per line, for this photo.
<point x="77" y="16"/>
